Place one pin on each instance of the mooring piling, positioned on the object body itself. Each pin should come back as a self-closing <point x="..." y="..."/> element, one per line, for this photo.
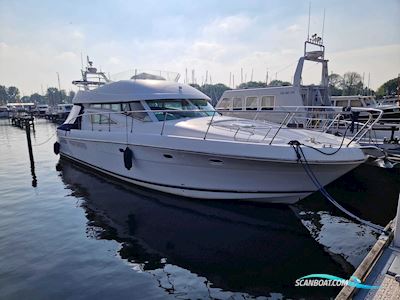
<point x="29" y="141"/>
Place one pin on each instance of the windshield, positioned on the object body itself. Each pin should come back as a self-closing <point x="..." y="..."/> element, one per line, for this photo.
<point x="369" y="102"/>
<point x="191" y="106"/>
<point x="203" y="105"/>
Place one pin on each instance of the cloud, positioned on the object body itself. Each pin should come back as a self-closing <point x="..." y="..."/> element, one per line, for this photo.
<point x="77" y="35"/>
<point x="293" y="28"/>
<point x="114" y="60"/>
<point x="221" y="40"/>
<point x="3" y="46"/>
<point x="227" y="28"/>
<point x="382" y="62"/>
<point x="67" y="55"/>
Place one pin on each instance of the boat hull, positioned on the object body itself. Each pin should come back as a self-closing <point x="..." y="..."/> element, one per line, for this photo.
<point x="201" y="175"/>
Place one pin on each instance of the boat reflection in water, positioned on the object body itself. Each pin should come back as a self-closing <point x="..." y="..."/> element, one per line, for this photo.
<point x="200" y="248"/>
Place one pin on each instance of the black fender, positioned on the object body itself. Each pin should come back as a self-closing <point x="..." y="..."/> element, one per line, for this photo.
<point x="128" y="157"/>
<point x="56" y="148"/>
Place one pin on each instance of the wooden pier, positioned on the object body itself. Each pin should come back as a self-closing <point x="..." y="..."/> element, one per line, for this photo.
<point x="22" y="121"/>
<point x="381" y="267"/>
<point x="52" y="117"/>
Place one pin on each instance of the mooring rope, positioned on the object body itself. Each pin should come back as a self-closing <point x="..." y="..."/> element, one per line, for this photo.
<point x="304" y="163"/>
<point x="40" y="144"/>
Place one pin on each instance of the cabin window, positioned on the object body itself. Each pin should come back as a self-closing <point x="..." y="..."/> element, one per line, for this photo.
<point x="106" y="120"/>
<point x="131" y="109"/>
<point x="369" y="102"/>
<point x="108" y="106"/>
<point x="203" y="104"/>
<point x="125" y="107"/>
<point x="116" y="107"/>
<point x="135" y="110"/>
<point x="95" y="119"/>
<point x="356" y="103"/>
<point x="251" y="103"/>
<point x="237" y="103"/>
<point x="267" y="102"/>
<point x="225" y="103"/>
<point x="95" y="105"/>
<point x="184" y="108"/>
<point x="101" y="119"/>
<point x="169" y="105"/>
<point x="342" y="103"/>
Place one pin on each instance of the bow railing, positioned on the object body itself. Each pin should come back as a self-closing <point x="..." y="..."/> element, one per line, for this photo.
<point x="263" y="126"/>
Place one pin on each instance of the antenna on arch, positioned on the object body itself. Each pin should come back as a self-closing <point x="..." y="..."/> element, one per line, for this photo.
<point x="309" y="14"/>
<point x="323" y="27"/>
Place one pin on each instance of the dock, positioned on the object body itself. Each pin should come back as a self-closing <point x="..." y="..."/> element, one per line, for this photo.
<point x="381" y="267"/>
<point x="22" y="121"/>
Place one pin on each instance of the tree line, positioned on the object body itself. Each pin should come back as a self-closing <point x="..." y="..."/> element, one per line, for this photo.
<point x="52" y="97"/>
<point x="350" y="83"/>
<point x="389" y="88"/>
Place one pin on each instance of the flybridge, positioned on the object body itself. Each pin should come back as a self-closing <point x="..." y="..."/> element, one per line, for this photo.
<point x="314" y="51"/>
<point x="91" y="78"/>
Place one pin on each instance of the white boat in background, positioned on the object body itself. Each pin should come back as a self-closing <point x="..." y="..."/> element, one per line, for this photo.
<point x="41" y="109"/>
<point x="20" y="107"/>
<point x="391" y="111"/>
<point x="384" y="133"/>
<point x="63" y="111"/>
<point x="51" y="113"/>
<point x="166" y="136"/>
<point x="58" y="113"/>
<point x="4" y="112"/>
<point x="390" y="100"/>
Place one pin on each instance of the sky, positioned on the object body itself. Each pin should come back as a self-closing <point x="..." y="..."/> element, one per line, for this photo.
<point x="40" y="38"/>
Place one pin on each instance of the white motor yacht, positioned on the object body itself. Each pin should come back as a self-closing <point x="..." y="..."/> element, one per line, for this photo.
<point x="391" y="112"/>
<point x="166" y="136"/>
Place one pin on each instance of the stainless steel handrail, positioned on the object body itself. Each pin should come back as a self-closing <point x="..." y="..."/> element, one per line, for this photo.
<point x="374" y="116"/>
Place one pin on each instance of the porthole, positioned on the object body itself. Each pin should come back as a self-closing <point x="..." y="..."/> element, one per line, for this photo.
<point x="215" y="161"/>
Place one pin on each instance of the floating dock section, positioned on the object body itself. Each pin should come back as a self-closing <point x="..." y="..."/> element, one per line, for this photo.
<point x="381" y="267"/>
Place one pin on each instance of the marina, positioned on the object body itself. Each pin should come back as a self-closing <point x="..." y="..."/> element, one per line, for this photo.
<point x="104" y="237"/>
<point x="260" y="187"/>
<point x="217" y="150"/>
<point x="247" y="186"/>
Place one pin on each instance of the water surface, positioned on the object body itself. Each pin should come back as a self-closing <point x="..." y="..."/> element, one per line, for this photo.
<point x="67" y="232"/>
